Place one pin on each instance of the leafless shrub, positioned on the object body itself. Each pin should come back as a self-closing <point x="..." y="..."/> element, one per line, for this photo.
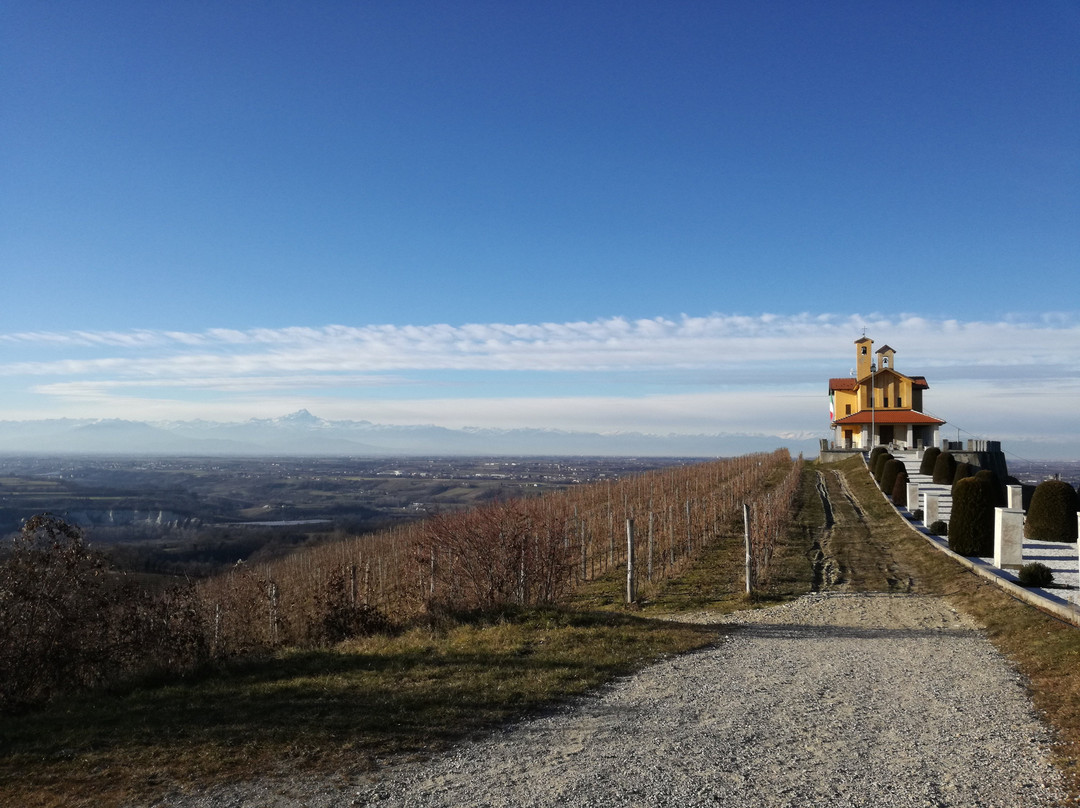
<point x="514" y="552"/>
<point x="67" y="622"/>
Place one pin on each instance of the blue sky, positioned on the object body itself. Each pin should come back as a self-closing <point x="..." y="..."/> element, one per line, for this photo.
<point x="666" y="217"/>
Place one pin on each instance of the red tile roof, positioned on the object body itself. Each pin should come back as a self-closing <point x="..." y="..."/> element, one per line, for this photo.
<point x="853" y="384"/>
<point x="888" y="417"/>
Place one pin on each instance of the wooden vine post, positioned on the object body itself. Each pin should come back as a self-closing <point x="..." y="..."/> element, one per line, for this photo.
<point x="749" y="559"/>
<point x="631" y="594"/>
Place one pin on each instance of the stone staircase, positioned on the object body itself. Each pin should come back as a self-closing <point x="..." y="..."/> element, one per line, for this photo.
<point x="926" y="484"/>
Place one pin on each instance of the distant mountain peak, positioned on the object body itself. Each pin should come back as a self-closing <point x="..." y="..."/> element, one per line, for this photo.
<point x="301" y="416"/>
<point x="301" y="419"/>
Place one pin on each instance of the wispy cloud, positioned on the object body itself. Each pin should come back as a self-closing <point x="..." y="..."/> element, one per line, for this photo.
<point x="100" y="388"/>
<point x="612" y="344"/>
<point x="733" y="373"/>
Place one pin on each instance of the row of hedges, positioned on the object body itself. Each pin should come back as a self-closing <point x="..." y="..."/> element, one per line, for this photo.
<point x="1051" y="515"/>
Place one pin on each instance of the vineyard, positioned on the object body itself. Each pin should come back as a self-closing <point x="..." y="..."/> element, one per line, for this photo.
<point x="519" y="552"/>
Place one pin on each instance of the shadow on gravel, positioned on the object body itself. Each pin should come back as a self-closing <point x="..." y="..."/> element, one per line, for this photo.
<point x="797" y="631"/>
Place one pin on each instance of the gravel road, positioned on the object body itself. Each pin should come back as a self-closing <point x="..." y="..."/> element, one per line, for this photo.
<point x="833" y="699"/>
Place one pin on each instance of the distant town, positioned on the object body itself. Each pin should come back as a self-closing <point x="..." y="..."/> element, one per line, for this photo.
<point x="191" y="516"/>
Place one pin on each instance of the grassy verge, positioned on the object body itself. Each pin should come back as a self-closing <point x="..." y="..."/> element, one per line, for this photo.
<point x="1044" y="649"/>
<point x="340" y="710"/>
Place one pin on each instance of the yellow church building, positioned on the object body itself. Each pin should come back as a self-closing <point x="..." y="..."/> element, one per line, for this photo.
<point x="879" y="405"/>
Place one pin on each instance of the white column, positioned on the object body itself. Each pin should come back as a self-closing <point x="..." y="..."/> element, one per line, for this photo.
<point x="912" y="496"/>
<point x="1008" y="537"/>
<point x="1078" y="533"/>
<point x="1014" y="495"/>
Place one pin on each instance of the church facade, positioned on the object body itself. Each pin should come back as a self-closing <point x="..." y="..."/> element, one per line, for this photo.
<point x="878" y="405"/>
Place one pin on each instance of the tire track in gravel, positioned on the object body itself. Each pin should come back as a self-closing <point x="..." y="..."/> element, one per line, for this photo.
<point x="851" y="559"/>
<point x="824" y="566"/>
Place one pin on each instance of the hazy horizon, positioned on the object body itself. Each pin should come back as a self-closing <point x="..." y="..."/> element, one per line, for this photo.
<point x="659" y="219"/>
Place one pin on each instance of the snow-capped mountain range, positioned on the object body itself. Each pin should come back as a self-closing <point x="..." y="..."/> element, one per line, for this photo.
<point x="302" y="433"/>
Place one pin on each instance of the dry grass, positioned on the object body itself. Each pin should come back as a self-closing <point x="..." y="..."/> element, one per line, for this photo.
<point x="336" y="711"/>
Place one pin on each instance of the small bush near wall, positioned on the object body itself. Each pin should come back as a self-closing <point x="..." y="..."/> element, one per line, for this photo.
<point x="1035" y="574"/>
<point x="1052" y="514"/>
<point x="929" y="457"/>
<point x="939" y="528"/>
<point x="944" y="468"/>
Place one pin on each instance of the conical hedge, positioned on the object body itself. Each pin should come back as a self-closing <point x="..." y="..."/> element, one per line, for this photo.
<point x="899" y="489"/>
<point x="971" y="526"/>
<point x="888" y="474"/>
<point x="1000" y="499"/>
<point x="944" y="469"/>
<point x="879" y="465"/>
<point x="930" y="456"/>
<point x="1052" y="513"/>
<point x="963" y="470"/>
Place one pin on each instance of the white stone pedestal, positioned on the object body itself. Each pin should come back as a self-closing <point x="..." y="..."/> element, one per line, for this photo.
<point x="1014" y="496"/>
<point x="930" y="508"/>
<point x="1008" y="537"/>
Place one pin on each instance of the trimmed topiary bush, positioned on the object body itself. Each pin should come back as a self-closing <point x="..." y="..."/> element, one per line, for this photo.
<point x="899" y="489"/>
<point x="917" y="515"/>
<point x="1052" y="513"/>
<point x="971" y="526"/>
<point x="939" y="528"/>
<point x="944" y="468"/>
<point x="874" y="454"/>
<point x="991" y="479"/>
<point x="961" y="471"/>
<point x="1035" y="574"/>
<point x="879" y="465"/>
<point x="888" y="474"/>
<point x="930" y="456"/>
